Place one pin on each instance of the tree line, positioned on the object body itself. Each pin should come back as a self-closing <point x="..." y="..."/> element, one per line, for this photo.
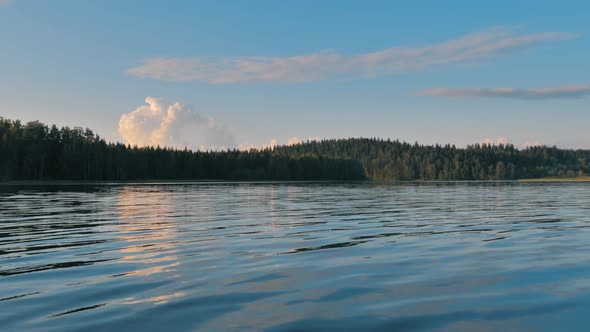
<point x="34" y="151"/>
<point x="394" y="160"/>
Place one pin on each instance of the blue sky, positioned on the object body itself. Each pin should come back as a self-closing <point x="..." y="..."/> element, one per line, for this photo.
<point x="254" y="72"/>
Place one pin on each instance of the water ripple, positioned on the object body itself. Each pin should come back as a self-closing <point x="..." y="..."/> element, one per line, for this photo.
<point x="288" y="256"/>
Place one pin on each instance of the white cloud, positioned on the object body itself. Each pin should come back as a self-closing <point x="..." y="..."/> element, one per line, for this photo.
<point x="570" y="91"/>
<point x="531" y="143"/>
<point x="505" y="141"/>
<point x="160" y="123"/>
<point x="247" y="147"/>
<point x="323" y="65"/>
<point x="297" y="140"/>
<point x="274" y="142"/>
<point x="294" y="140"/>
<point x="172" y="125"/>
<point x="498" y="141"/>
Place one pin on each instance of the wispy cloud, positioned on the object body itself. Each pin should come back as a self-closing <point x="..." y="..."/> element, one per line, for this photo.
<point x="570" y="91"/>
<point x="330" y="64"/>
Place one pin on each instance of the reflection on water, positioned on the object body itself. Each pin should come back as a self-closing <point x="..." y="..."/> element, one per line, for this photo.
<point x="280" y="256"/>
<point x="143" y="226"/>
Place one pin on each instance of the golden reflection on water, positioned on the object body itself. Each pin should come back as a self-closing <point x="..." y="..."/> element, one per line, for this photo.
<point x="272" y="204"/>
<point x="156" y="299"/>
<point x="144" y="223"/>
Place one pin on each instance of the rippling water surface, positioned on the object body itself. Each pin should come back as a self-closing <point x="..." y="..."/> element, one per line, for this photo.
<point x="284" y="256"/>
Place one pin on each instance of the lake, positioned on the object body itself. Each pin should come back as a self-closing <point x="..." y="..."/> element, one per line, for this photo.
<point x="479" y="256"/>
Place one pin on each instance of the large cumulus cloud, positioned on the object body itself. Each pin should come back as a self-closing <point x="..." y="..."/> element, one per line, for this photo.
<point x="160" y="123"/>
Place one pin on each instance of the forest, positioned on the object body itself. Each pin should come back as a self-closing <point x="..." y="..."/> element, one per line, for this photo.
<point x="35" y="151"/>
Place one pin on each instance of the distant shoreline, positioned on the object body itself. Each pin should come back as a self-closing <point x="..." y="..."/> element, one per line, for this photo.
<point x="148" y="182"/>
<point x="131" y="182"/>
<point x="556" y="179"/>
<point x="39" y="153"/>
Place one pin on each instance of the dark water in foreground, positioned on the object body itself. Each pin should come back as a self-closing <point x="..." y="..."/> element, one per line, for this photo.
<point x="224" y="257"/>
